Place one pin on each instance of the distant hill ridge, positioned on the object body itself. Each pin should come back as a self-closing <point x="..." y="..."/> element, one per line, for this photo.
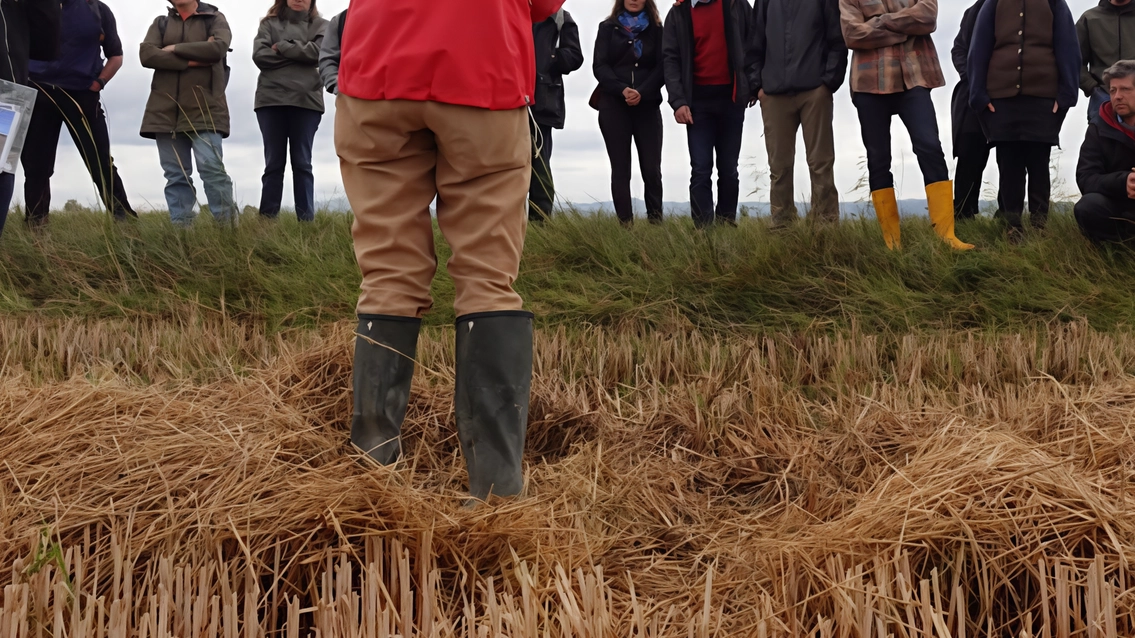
<point x="907" y="207"/>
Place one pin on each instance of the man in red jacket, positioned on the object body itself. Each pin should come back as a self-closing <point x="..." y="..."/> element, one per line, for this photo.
<point x="432" y="103"/>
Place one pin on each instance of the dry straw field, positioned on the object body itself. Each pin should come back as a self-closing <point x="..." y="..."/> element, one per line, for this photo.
<point x="187" y="474"/>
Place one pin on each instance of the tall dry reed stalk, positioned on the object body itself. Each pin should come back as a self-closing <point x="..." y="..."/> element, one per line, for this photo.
<point x="386" y="591"/>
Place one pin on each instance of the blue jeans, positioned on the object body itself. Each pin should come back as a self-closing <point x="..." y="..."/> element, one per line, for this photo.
<point x="176" y="153"/>
<point x="718" y="124"/>
<point x="1096" y="100"/>
<point x="281" y="127"/>
<point x="916" y="111"/>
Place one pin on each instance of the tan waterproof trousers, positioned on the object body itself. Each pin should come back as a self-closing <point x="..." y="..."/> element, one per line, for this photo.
<point x="396" y="157"/>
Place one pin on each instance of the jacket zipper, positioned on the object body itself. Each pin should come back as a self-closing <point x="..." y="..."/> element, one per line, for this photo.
<point x="177" y="91"/>
<point x="620" y="30"/>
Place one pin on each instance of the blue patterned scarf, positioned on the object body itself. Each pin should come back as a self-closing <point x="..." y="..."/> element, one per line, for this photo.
<point x="635" y="25"/>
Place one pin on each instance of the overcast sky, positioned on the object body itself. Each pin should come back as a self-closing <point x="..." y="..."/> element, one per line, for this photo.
<point x="580" y="162"/>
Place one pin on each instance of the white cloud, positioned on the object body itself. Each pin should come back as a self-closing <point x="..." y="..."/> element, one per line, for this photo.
<point x="580" y="162"/>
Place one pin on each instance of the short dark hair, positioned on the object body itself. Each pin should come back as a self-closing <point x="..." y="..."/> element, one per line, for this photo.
<point x="1119" y="70"/>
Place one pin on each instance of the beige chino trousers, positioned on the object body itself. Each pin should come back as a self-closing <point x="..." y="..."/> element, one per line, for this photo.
<point x="784" y="115"/>
<point x="396" y="157"/>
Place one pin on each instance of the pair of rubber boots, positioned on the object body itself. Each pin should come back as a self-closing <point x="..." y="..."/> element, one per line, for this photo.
<point x="940" y="201"/>
<point x="494" y="382"/>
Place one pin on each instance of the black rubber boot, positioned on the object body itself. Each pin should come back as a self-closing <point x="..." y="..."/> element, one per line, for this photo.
<point x="384" y="368"/>
<point x="494" y="381"/>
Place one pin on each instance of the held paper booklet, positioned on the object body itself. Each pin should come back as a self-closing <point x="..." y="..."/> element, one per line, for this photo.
<point x="16" y="105"/>
<point x="9" y="123"/>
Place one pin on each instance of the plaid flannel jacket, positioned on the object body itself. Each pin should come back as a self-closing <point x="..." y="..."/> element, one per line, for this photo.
<point x="891" y="44"/>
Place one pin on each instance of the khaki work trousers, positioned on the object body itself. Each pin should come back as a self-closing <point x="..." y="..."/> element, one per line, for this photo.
<point x="784" y="115"/>
<point x="396" y="156"/>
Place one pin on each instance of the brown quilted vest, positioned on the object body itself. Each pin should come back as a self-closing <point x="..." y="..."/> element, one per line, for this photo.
<point x="1024" y="60"/>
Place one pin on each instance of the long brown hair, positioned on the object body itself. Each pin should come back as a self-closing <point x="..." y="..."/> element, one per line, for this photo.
<point x="278" y="7"/>
<point x="650" y="8"/>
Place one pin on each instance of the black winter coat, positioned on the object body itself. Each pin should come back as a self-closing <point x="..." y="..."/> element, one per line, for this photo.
<point x="796" y="46"/>
<point x="1106" y="159"/>
<point x="558" y="53"/>
<point x="964" y="118"/>
<point x="678" y="52"/>
<point x="31" y="30"/>
<point x="617" y="69"/>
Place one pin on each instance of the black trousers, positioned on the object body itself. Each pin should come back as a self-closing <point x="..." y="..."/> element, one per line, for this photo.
<point x="1018" y="161"/>
<point x="7" y="188"/>
<point x="973" y="157"/>
<point x="542" y="192"/>
<point x="916" y="110"/>
<point x="284" y="128"/>
<point x="642" y="125"/>
<point x="1103" y="219"/>
<point x="82" y="112"/>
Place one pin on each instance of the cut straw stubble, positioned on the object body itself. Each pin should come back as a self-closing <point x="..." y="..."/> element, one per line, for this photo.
<point x="744" y="486"/>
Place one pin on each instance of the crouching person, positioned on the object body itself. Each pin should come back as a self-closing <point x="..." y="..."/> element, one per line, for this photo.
<point x="408" y="130"/>
<point x="1106" y="172"/>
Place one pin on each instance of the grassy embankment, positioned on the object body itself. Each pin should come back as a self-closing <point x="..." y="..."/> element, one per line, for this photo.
<point x="587" y="271"/>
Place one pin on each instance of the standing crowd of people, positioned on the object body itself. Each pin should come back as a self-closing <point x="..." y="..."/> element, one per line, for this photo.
<point x="1021" y="65"/>
<point x="459" y="103"/>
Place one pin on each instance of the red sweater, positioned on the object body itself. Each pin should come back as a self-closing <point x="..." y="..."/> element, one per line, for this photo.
<point x="459" y="52"/>
<point x="711" y="50"/>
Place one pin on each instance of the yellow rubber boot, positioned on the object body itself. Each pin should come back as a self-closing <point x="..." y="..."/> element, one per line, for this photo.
<point x="940" y="198"/>
<point x="887" y="210"/>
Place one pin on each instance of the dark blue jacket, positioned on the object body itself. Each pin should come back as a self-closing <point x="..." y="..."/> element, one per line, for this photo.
<point x="1065" y="44"/>
<point x="89" y="32"/>
<point x="30" y="30"/>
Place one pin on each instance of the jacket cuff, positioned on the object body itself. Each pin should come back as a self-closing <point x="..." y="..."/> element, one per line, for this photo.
<point x="979" y="100"/>
<point x="1117" y="185"/>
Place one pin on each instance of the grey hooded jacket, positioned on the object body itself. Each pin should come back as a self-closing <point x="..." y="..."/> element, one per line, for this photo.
<point x="289" y="73"/>
<point x="331" y="52"/>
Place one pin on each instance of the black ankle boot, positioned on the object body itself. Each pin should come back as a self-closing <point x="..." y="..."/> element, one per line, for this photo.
<point x="494" y="381"/>
<point x="384" y="368"/>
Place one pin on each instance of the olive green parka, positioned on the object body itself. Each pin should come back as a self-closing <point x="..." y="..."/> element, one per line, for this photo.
<point x="187" y="94"/>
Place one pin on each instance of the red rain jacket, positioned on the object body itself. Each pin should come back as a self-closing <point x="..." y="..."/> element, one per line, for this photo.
<point x="466" y="52"/>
